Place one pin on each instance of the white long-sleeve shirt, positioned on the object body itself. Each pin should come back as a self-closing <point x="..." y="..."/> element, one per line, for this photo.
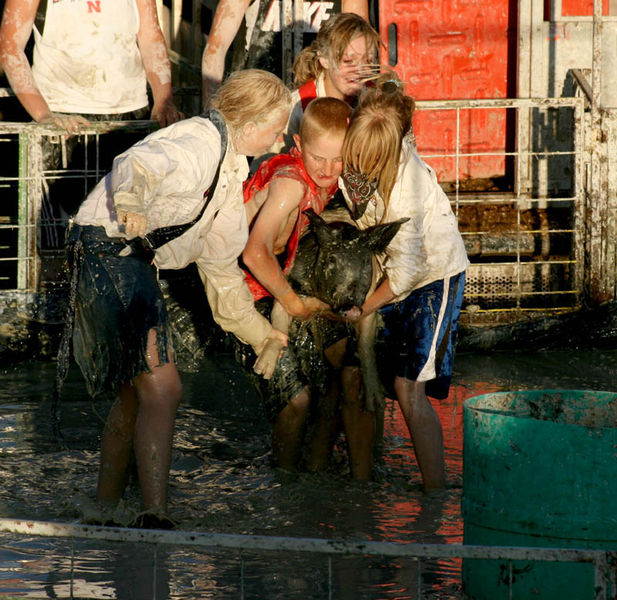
<point x="429" y="246"/>
<point x="164" y="177"/>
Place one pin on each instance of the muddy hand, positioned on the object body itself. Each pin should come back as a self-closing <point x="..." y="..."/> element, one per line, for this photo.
<point x="166" y="113"/>
<point x="134" y="223"/>
<point x="268" y="353"/>
<point x="266" y="361"/>
<point x="311" y="306"/>
<point x="70" y="123"/>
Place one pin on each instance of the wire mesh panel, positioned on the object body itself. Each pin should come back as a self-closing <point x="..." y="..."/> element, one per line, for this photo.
<point x="42" y="182"/>
<point x="524" y="232"/>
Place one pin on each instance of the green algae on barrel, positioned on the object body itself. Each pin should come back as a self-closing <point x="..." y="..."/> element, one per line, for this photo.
<point x="539" y="470"/>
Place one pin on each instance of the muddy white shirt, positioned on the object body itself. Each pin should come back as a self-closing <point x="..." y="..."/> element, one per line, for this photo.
<point x="429" y="246"/>
<point x="164" y="177"/>
<point x="87" y="60"/>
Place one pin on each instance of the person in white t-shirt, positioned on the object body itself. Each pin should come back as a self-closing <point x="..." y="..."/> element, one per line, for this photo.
<point x="91" y="59"/>
<point x="260" y="49"/>
<point x="423" y="268"/>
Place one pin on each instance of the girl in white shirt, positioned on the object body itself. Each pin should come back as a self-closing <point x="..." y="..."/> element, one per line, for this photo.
<point x="421" y="292"/>
<point x="120" y="336"/>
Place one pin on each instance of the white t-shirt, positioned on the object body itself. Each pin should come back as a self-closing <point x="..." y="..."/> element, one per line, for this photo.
<point x="87" y="60"/>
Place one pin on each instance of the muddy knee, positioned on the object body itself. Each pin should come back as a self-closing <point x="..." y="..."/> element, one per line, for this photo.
<point x="299" y="404"/>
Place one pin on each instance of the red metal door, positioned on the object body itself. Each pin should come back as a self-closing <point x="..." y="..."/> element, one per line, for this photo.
<point x="455" y="49"/>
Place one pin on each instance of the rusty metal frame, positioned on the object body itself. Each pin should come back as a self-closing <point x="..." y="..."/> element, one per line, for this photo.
<point x="524" y="196"/>
<point x="603" y="561"/>
<point x="31" y="180"/>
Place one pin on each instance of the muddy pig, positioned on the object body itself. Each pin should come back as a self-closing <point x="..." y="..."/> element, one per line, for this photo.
<point x="335" y="262"/>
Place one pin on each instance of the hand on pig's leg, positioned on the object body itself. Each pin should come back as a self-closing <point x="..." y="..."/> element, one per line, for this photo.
<point x="302" y="308"/>
<point x="288" y="431"/>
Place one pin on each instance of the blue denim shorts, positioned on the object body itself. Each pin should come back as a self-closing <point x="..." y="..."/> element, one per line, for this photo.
<point x="118" y="301"/>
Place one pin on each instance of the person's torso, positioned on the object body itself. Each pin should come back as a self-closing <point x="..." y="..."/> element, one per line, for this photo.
<point x="87" y="59"/>
<point x="314" y="198"/>
<point x="179" y="196"/>
<point x="418" y="196"/>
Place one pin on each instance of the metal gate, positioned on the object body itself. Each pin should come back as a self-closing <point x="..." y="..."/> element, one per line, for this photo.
<point x="526" y="246"/>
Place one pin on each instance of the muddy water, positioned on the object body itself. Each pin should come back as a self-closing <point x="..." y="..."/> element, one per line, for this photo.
<point x="222" y="481"/>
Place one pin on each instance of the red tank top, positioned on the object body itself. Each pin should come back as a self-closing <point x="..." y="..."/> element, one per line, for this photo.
<point x="308" y="92"/>
<point x="291" y="166"/>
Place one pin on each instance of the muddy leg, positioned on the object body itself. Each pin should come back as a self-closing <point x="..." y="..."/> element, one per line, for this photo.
<point x="149" y="413"/>
<point x="117" y="447"/>
<point x="425" y="431"/>
<point x="325" y="429"/>
<point x="288" y="430"/>
<point x="359" y="425"/>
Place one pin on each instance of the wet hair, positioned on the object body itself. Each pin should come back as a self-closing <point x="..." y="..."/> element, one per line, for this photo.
<point x="376" y="129"/>
<point x="333" y="37"/>
<point x="251" y="95"/>
<point x="324" y="116"/>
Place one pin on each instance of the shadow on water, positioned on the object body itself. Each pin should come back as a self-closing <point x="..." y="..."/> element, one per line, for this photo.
<point x="222" y="481"/>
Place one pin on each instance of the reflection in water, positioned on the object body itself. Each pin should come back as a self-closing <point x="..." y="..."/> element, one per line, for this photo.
<point x="222" y="481"/>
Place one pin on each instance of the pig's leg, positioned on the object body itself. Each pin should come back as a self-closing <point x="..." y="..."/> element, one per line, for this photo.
<point x="374" y="395"/>
<point x="425" y="431"/>
<point x="326" y="427"/>
<point x="279" y="318"/>
<point x="358" y="424"/>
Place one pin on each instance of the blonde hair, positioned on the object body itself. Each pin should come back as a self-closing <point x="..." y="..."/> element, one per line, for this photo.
<point x="375" y="134"/>
<point x="324" y="116"/>
<point x="331" y="42"/>
<point x="251" y="95"/>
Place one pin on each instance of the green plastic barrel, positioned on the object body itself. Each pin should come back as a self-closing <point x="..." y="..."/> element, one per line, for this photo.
<point x="540" y="470"/>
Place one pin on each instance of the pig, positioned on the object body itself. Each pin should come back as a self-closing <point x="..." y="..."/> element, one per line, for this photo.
<point x="336" y="263"/>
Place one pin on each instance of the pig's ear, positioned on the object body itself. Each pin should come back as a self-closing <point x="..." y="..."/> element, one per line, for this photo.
<point x="378" y="237"/>
<point x="319" y="226"/>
